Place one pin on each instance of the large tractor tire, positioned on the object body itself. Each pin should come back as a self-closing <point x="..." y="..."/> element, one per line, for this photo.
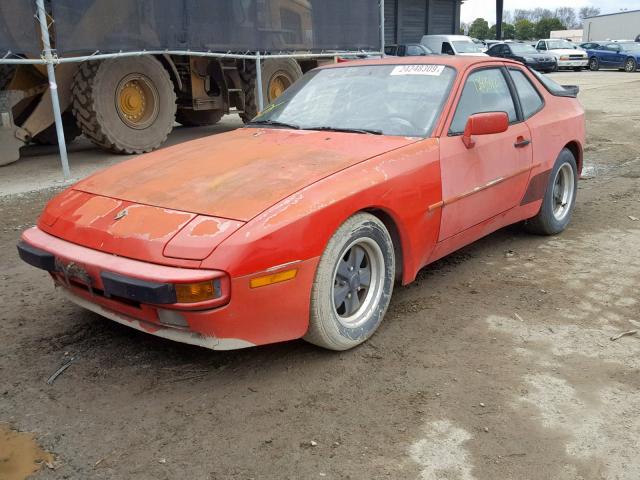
<point x="49" y="136"/>
<point x="277" y="76"/>
<point x="198" y="118"/>
<point x="125" y="105"/>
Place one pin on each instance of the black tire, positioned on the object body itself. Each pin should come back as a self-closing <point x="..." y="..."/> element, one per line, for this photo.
<point x="630" y="65"/>
<point x="594" y="64"/>
<point x="95" y="91"/>
<point x="286" y="68"/>
<point x="548" y="221"/>
<point x="49" y="136"/>
<point x="198" y="118"/>
<point x="556" y="68"/>
<point x="352" y="322"/>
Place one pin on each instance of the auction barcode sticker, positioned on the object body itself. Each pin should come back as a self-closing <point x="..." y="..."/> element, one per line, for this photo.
<point x="435" y="70"/>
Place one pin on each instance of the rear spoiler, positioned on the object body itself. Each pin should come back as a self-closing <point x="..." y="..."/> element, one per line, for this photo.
<point x="568" y="91"/>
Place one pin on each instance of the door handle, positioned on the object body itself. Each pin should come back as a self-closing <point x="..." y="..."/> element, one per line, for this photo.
<point x="522" y="142"/>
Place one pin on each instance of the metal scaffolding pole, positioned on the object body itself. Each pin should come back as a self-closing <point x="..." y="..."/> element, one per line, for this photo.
<point x="382" y="33"/>
<point x="259" y="82"/>
<point x="53" y="86"/>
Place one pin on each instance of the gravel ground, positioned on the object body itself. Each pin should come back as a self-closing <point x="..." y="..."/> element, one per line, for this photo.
<point x="496" y="363"/>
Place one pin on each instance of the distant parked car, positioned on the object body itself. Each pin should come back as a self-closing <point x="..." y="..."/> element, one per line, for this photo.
<point x="452" y="45"/>
<point x="407" y="50"/>
<point x="567" y="54"/>
<point x="521" y="52"/>
<point x="591" y="45"/>
<point x="490" y="43"/>
<point x="622" y="55"/>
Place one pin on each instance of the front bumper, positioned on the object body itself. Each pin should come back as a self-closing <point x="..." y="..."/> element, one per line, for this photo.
<point x="573" y="63"/>
<point x="542" y="66"/>
<point x="246" y="317"/>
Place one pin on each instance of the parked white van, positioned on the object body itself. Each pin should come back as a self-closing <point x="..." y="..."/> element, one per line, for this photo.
<point x="452" y="45"/>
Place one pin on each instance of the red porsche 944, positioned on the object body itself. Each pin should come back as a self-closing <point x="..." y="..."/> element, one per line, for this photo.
<point x="300" y="224"/>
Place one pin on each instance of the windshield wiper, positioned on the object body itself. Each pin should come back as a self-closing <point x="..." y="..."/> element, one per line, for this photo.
<point x="366" y="131"/>
<point x="274" y="123"/>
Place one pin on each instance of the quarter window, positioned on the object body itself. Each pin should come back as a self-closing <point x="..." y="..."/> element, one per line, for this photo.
<point x="485" y="91"/>
<point x="529" y="97"/>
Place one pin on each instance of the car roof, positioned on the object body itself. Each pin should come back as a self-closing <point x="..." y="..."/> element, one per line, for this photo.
<point x="459" y="62"/>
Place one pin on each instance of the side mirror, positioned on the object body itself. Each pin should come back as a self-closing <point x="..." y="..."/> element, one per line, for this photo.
<point x="484" y="124"/>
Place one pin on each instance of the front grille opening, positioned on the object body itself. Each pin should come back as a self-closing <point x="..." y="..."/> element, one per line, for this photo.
<point x="100" y="293"/>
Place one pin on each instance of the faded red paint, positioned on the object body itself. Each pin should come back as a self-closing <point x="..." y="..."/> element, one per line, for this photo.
<point x="252" y="202"/>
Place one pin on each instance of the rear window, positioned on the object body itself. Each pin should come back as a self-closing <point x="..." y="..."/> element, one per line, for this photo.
<point x="555" y="88"/>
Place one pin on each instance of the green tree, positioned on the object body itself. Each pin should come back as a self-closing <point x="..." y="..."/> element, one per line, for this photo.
<point x="508" y="31"/>
<point x="547" y="25"/>
<point x="524" y="29"/>
<point x="479" y="29"/>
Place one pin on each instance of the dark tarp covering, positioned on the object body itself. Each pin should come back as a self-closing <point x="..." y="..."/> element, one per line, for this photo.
<point x="19" y="30"/>
<point x="217" y="25"/>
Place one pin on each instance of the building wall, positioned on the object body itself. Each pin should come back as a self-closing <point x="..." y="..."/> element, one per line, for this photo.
<point x="406" y="21"/>
<point x="617" y="26"/>
<point x="573" y="35"/>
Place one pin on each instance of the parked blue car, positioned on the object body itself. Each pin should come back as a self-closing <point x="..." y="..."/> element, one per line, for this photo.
<point x="622" y="55"/>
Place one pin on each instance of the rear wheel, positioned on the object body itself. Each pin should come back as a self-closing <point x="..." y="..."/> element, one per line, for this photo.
<point x="559" y="199"/>
<point x="125" y="105"/>
<point x="277" y="76"/>
<point x="630" y="65"/>
<point x="198" y="118"/>
<point x="594" y="64"/>
<point x="353" y="284"/>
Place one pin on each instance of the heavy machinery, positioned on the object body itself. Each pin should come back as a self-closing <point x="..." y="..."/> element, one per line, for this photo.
<point x="130" y="104"/>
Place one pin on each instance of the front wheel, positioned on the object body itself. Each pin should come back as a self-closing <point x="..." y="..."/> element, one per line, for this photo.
<point x="559" y="199"/>
<point x="353" y="284"/>
<point x="594" y="64"/>
<point x="630" y="65"/>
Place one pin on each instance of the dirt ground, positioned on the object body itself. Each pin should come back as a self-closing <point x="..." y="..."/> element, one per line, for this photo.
<point x="496" y="364"/>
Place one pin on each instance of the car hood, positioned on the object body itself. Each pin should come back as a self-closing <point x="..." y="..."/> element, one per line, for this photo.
<point x="236" y="175"/>
<point x="477" y="54"/>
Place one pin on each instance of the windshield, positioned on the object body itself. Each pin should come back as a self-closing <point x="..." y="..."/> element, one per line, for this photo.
<point x="522" y="48"/>
<point x="630" y="47"/>
<point x="558" y="44"/>
<point x="400" y="100"/>
<point x="466" y="47"/>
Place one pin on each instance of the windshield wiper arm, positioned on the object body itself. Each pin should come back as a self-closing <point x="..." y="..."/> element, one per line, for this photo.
<point x="274" y="123"/>
<point x="366" y="131"/>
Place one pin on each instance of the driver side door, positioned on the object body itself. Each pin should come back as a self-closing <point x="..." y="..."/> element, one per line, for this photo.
<point x="483" y="181"/>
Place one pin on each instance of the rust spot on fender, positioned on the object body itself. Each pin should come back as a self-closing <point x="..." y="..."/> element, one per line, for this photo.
<point x="198" y="239"/>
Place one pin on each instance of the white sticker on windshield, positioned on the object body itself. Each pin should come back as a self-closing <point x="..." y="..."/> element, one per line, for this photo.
<point x="434" y="70"/>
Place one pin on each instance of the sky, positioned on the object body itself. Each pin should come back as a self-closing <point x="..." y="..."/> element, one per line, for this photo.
<point x="486" y="9"/>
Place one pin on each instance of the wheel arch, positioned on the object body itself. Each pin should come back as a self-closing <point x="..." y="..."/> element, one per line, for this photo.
<point x="578" y="153"/>
<point x="387" y="219"/>
<point x="168" y="63"/>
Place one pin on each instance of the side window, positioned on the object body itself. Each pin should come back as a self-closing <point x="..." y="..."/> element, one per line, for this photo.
<point x="414" y="50"/>
<point x="529" y="97"/>
<point x="485" y="91"/>
<point x="542" y="46"/>
<point x="447" y="49"/>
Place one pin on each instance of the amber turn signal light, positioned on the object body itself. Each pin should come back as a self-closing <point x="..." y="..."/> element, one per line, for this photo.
<point x="274" y="278"/>
<point x="197" y="292"/>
